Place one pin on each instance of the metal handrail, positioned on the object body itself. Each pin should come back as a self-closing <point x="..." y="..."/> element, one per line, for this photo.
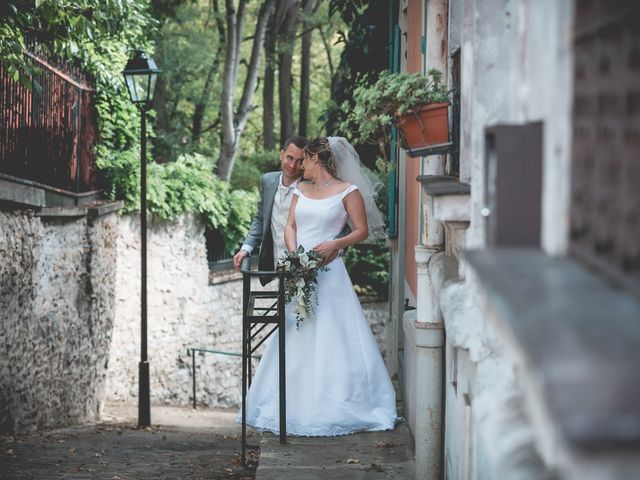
<point x="248" y="322"/>
<point x="192" y="352"/>
<point x="245" y="269"/>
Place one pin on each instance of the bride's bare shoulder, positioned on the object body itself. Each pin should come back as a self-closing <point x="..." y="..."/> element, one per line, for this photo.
<point x="305" y="186"/>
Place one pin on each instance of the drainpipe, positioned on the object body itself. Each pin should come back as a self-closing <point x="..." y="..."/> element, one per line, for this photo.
<point x="427" y="331"/>
<point x="428" y="328"/>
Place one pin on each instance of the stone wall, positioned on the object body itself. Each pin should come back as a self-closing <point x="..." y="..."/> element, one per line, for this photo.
<point x="187" y="307"/>
<point x="57" y="282"/>
<point x="184" y="311"/>
<point x="70" y="317"/>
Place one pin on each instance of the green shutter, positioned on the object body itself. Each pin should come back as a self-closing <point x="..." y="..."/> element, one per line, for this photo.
<point x="394" y="66"/>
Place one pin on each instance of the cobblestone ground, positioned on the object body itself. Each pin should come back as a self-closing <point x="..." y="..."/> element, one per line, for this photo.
<point x="119" y="451"/>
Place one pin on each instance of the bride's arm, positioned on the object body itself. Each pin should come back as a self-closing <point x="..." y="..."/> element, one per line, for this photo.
<point x="290" y="227"/>
<point x="354" y="204"/>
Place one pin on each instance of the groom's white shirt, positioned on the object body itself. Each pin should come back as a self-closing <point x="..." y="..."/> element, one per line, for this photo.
<point x="279" y="215"/>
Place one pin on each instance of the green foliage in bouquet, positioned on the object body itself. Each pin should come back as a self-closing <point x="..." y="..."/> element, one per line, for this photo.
<point x="302" y="269"/>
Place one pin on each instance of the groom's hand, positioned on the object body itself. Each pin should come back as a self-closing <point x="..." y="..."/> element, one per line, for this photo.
<point x="237" y="259"/>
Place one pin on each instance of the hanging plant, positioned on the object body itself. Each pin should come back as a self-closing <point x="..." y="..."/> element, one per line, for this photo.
<point x="416" y="104"/>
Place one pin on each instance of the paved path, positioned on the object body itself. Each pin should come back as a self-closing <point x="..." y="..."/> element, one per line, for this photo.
<point x="200" y="444"/>
<point x="363" y="456"/>
<point x="182" y="444"/>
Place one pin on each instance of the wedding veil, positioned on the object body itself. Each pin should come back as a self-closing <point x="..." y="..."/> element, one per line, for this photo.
<point x="350" y="169"/>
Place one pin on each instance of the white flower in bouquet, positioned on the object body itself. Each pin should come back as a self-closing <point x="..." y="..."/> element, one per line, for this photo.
<point x="302" y="312"/>
<point x="302" y="270"/>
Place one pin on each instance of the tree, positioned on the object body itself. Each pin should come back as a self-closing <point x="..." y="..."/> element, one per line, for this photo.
<point x="268" y="84"/>
<point x="233" y="122"/>
<point x="288" y="10"/>
<point x="309" y="7"/>
<point x="203" y="100"/>
<point x="191" y="52"/>
<point x="367" y="23"/>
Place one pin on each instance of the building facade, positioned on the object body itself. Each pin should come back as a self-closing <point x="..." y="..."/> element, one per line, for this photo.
<point x="518" y="246"/>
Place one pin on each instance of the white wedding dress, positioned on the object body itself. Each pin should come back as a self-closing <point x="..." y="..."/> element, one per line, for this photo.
<point x="336" y="380"/>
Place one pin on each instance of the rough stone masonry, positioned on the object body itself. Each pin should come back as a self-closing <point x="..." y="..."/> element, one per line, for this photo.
<point x="70" y="317"/>
<point x="57" y="284"/>
<point x="188" y="307"/>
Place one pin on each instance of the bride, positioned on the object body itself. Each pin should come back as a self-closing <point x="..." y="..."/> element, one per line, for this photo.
<point x="336" y="380"/>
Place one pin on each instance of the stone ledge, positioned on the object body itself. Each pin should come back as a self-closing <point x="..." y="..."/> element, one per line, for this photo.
<point x="100" y="208"/>
<point x="21" y="194"/>
<point x="217" y="278"/>
<point x="436" y="185"/>
<point x="579" y="337"/>
<point x="449" y="197"/>
<point x="58" y="212"/>
<point x="94" y="209"/>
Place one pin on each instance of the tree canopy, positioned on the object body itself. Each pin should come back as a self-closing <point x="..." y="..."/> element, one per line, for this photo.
<point x="238" y="77"/>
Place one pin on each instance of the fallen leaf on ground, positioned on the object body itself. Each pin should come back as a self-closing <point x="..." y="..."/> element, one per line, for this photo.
<point x="353" y="460"/>
<point x="385" y="444"/>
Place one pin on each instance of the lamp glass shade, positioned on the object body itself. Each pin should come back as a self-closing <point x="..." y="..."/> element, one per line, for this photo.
<point x="141" y="75"/>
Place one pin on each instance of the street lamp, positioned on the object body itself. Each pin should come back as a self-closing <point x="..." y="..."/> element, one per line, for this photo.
<point x="141" y="75"/>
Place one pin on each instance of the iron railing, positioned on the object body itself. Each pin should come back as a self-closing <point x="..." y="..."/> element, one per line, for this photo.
<point x="47" y="132"/>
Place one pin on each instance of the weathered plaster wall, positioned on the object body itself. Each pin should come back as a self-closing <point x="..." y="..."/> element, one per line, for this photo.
<point x="508" y="76"/>
<point x="56" y="310"/>
<point x="187" y="308"/>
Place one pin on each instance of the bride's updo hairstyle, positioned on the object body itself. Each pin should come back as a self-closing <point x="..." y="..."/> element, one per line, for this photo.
<point x="320" y="146"/>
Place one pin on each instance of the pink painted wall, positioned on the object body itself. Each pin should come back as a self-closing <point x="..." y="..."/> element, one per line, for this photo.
<point x="412" y="187"/>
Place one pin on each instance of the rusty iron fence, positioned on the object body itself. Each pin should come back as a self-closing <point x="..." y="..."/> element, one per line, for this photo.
<point x="47" y="132"/>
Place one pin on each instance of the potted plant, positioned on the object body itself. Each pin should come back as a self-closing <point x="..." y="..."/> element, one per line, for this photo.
<point x="417" y="104"/>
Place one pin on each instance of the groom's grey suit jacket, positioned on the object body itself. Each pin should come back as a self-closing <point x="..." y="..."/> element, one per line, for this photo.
<point x="260" y="232"/>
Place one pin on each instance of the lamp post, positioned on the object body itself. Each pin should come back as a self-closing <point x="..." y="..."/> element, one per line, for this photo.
<point x="141" y="75"/>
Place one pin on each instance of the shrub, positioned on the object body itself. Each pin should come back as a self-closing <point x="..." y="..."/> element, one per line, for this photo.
<point x="186" y="185"/>
<point x="368" y="266"/>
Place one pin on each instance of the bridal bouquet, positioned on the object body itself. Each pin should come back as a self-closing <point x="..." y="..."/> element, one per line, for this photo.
<point x="302" y="269"/>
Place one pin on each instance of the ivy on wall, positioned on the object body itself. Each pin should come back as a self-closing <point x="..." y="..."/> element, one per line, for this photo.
<point x="100" y="37"/>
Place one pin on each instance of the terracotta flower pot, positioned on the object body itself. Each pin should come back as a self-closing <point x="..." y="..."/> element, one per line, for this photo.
<point x="427" y="127"/>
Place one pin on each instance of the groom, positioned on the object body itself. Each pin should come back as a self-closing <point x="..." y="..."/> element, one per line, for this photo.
<point x="276" y="192"/>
